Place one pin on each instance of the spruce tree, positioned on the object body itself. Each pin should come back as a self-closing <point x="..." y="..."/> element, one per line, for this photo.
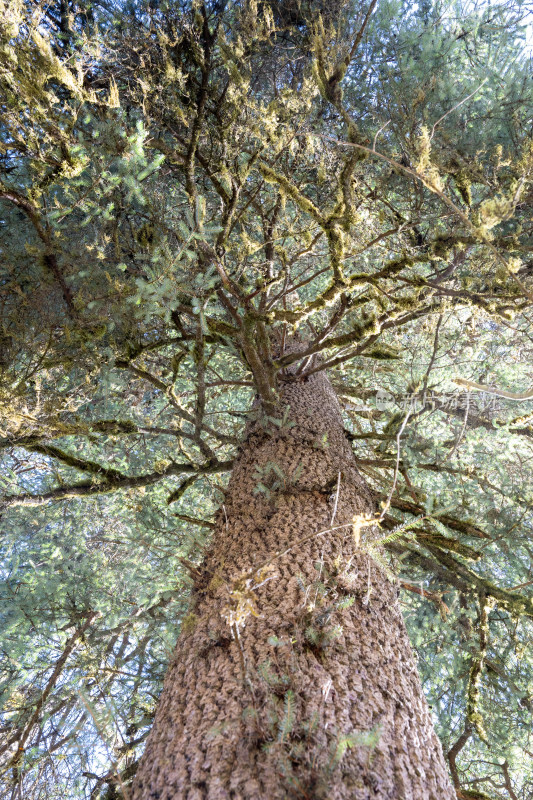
<point x="264" y="354"/>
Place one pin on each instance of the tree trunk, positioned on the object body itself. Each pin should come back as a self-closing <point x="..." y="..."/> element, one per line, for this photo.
<point x="305" y="687"/>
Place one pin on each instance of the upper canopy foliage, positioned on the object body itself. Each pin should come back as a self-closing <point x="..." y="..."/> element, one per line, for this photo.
<point x="181" y="186"/>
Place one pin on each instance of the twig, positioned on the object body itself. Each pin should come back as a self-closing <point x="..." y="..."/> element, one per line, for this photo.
<point x="462" y="431"/>
<point x="434" y="353"/>
<point x="520" y="586"/>
<point x="378" y="132"/>
<point x="114" y="764"/>
<point x="494" y="390"/>
<point x="332" y="520"/>
<point x="435" y="598"/>
<point x="361" y="30"/>
<point x="280" y="553"/>
<point x="366" y="599"/>
<point x="22" y="737"/>
<point x="456" y="106"/>
<point x="203" y="523"/>
<point x="50" y="258"/>
<point x="397" y="466"/>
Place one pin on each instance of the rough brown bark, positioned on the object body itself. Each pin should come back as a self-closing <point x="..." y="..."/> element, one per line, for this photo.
<point x="310" y="700"/>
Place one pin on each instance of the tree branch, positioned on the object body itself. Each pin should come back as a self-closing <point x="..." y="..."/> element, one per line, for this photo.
<point x="90" y="489"/>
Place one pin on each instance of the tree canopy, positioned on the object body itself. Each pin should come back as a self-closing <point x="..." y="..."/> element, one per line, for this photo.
<point x="184" y="188"/>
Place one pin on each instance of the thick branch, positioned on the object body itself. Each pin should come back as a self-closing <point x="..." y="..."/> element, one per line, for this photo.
<point x="451" y="522"/>
<point x="83" y="464"/>
<point x="89" y="489"/>
<point x="454" y="751"/>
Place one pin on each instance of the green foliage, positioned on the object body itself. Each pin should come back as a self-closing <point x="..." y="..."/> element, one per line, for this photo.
<point x="368" y="739"/>
<point x="287" y="721"/>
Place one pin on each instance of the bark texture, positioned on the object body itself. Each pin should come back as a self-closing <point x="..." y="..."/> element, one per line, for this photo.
<point x="319" y="696"/>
